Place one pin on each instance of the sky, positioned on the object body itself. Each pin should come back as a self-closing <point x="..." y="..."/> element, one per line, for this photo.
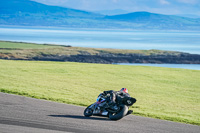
<point x="169" y="7"/>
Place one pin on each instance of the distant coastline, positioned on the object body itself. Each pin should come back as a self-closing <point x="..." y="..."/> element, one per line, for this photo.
<point x="48" y="52"/>
<point x="38" y="14"/>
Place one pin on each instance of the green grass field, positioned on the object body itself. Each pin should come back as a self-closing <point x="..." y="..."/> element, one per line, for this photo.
<point x="20" y="45"/>
<point x="24" y="50"/>
<point x="164" y="93"/>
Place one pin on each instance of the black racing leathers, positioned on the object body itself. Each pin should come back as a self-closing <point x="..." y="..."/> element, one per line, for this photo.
<point x="114" y="95"/>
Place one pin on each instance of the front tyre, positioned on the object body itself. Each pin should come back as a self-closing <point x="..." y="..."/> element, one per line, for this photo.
<point x="88" y="111"/>
<point x="121" y="113"/>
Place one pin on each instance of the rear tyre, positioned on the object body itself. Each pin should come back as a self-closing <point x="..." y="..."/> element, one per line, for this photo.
<point x="88" y="112"/>
<point x="121" y="113"/>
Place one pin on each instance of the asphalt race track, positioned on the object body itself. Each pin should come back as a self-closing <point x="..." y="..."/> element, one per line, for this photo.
<point x="26" y="115"/>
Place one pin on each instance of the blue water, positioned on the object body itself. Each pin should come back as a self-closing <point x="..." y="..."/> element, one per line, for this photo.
<point x="141" y="40"/>
<point x="183" y="66"/>
<point x="118" y="39"/>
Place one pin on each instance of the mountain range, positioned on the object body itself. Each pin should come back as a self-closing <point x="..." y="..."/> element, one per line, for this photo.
<point x="30" y="13"/>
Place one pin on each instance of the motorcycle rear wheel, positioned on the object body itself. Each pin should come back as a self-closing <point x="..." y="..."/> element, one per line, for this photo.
<point x="121" y="113"/>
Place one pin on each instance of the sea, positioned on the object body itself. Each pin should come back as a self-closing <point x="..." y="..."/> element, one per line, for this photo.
<point x="182" y="41"/>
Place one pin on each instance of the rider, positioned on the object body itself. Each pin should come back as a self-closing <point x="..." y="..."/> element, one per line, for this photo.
<point x="113" y="96"/>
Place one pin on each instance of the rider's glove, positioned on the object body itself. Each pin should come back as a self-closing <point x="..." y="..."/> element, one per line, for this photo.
<point x="104" y="93"/>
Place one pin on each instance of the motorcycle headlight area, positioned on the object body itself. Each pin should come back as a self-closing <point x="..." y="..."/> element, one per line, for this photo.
<point x="130" y="101"/>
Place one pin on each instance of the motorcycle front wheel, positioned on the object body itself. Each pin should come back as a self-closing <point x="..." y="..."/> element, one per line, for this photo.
<point x="88" y="111"/>
<point x="118" y="115"/>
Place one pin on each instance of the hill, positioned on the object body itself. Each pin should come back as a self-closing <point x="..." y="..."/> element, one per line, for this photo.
<point x="24" y="7"/>
<point x="159" y="21"/>
<point x="30" y="13"/>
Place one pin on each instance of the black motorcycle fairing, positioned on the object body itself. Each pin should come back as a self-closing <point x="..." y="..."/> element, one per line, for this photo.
<point x="129" y="101"/>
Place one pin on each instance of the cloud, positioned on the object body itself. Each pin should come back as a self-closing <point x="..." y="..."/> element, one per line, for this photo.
<point x="188" y="1"/>
<point x="164" y="2"/>
<point x="115" y="1"/>
<point x="53" y="2"/>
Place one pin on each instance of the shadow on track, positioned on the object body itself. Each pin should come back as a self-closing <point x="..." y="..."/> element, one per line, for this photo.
<point x="81" y="117"/>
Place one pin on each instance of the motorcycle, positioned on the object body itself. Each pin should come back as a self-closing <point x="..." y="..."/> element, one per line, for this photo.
<point x="114" y="112"/>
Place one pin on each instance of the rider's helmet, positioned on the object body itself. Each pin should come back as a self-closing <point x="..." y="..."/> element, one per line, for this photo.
<point x="124" y="90"/>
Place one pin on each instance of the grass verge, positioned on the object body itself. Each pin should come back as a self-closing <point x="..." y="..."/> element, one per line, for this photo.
<point x="164" y="93"/>
<point x="21" y="49"/>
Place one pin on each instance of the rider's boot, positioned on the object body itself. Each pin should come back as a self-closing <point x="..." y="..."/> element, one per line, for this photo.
<point x="129" y="112"/>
